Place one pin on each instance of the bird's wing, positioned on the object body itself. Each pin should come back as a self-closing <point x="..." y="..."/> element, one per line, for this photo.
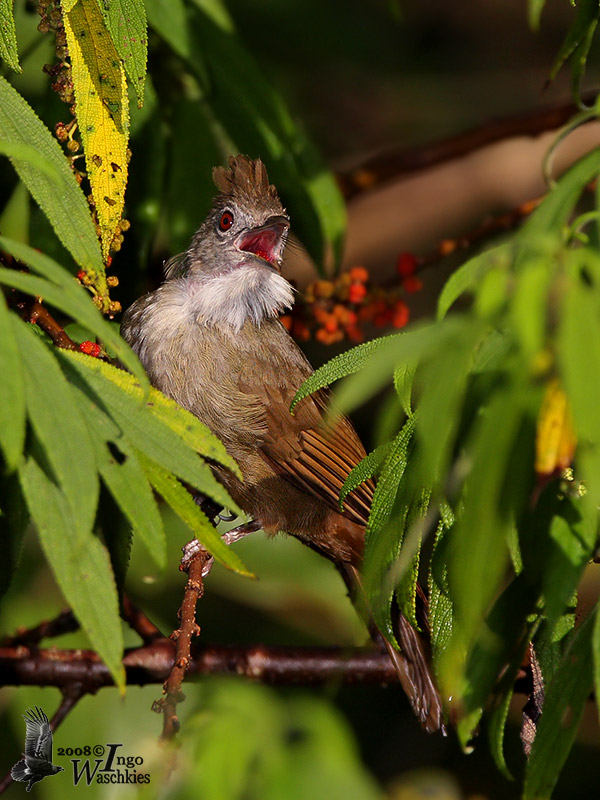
<point x="38" y="738"/>
<point x="315" y="456"/>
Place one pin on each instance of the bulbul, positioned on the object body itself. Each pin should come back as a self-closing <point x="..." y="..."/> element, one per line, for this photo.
<point x="210" y="338"/>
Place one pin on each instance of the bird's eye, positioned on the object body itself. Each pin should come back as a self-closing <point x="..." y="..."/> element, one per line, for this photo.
<point x="226" y="221"/>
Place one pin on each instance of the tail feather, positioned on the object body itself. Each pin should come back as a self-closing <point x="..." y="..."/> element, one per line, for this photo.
<point x="412" y="662"/>
<point x="20" y="771"/>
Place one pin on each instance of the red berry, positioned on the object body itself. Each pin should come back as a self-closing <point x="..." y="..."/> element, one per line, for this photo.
<point x="86" y="347"/>
<point x="359" y="274"/>
<point x="81" y="275"/>
<point x="357" y="292"/>
<point x="407" y="264"/>
<point x="412" y="284"/>
<point x="401" y="314"/>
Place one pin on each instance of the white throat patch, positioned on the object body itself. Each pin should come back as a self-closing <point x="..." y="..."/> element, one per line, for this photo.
<point x="245" y="293"/>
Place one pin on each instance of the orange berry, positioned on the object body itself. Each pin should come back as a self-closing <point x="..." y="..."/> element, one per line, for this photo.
<point x="446" y="247"/>
<point x="86" y="347"/>
<point x="359" y="274"/>
<point x="412" y="284"/>
<point x="401" y="314"/>
<point x="357" y="292"/>
<point x="407" y="264"/>
<point x="300" y="331"/>
<point x="331" y="325"/>
<point x="354" y="333"/>
<point x="321" y="314"/>
<point x="286" y="321"/>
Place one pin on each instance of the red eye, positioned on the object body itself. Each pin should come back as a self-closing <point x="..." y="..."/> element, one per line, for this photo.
<point x="226" y="221"/>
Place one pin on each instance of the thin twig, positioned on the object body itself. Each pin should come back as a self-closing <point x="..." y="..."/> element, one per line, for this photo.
<point x="194" y="589"/>
<point x="139" y="622"/>
<point x="65" y="622"/>
<point x="39" y="314"/>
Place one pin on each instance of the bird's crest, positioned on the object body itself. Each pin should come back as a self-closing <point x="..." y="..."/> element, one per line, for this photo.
<point x="245" y="179"/>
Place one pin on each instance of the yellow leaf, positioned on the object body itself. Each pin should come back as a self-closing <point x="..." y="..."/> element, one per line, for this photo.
<point x="102" y="111"/>
<point x="555" y="440"/>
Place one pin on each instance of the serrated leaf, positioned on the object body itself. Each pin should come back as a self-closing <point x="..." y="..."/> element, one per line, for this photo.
<point x="440" y="605"/>
<point x="184" y="506"/>
<point x="59" y="426"/>
<point x="563" y="708"/>
<point x="341" y="366"/>
<point x="69" y="296"/>
<point x="125" y="20"/>
<point x="61" y="199"/>
<point x="80" y="565"/>
<point x="178" y="419"/>
<point x="144" y="431"/>
<point x="368" y="467"/>
<point x="8" y="36"/>
<point x="12" y="392"/>
<point x="467" y="276"/>
<point x="124" y="478"/>
<point x="25" y="152"/>
<point x="102" y="112"/>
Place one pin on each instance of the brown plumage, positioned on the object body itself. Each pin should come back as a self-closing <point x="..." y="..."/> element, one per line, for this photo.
<point x="209" y="337"/>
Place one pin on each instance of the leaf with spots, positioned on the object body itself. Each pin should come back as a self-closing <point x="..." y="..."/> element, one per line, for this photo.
<point x="125" y="20"/>
<point x="102" y="112"/>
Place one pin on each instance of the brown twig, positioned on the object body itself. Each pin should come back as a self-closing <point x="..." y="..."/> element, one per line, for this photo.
<point x="39" y="314"/>
<point x="194" y="589"/>
<point x="139" y="622"/>
<point x="65" y="622"/>
<point x="386" y="167"/>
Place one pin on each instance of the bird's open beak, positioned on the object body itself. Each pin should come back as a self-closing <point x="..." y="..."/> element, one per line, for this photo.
<point x="267" y="241"/>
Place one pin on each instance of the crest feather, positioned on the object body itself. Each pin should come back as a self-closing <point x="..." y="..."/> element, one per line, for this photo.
<point x="245" y="178"/>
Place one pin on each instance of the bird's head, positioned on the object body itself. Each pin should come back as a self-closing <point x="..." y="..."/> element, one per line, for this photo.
<point x="247" y="226"/>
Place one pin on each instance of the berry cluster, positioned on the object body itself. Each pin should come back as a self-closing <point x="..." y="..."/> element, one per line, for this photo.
<point x="334" y="309"/>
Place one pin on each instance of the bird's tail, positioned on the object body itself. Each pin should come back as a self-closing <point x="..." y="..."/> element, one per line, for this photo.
<point x="20" y="771"/>
<point x="412" y="662"/>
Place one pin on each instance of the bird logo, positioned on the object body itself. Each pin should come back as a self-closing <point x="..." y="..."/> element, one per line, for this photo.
<point x="36" y="763"/>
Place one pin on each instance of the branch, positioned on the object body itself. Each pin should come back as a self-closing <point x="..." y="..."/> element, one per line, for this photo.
<point x="385" y="167"/>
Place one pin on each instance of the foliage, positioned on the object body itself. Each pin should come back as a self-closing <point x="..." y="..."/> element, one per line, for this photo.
<point x="488" y="489"/>
<point x="512" y="548"/>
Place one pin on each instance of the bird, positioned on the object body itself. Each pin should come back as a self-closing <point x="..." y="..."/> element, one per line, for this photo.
<point x="210" y="338"/>
<point x="36" y="763"/>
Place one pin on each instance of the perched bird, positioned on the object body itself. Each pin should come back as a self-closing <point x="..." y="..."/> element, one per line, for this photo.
<point x="36" y="763"/>
<point x="210" y="338"/>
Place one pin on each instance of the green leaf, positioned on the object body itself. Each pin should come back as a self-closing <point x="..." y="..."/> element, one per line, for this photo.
<point x="585" y="20"/>
<point x="80" y="565"/>
<point x="169" y="19"/>
<point x="579" y="362"/>
<point x="8" y="36"/>
<point x="368" y="467"/>
<point x="554" y="210"/>
<point x="126" y="23"/>
<point x="467" y="276"/>
<point x="59" y="426"/>
<point x="182" y="422"/>
<point x="564" y="704"/>
<point x="12" y="392"/>
<point x="535" y="8"/>
<point x="69" y="296"/>
<point x="258" y="123"/>
<point x="127" y="482"/>
<point x="25" y="152"/>
<point x="184" y="506"/>
<point x="143" y="429"/>
<point x="440" y="604"/>
<point x="347" y="363"/>
<point x="15" y="217"/>
<point x="61" y="199"/>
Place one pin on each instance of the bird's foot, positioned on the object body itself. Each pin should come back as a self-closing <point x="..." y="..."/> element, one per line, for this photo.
<point x="191" y="549"/>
